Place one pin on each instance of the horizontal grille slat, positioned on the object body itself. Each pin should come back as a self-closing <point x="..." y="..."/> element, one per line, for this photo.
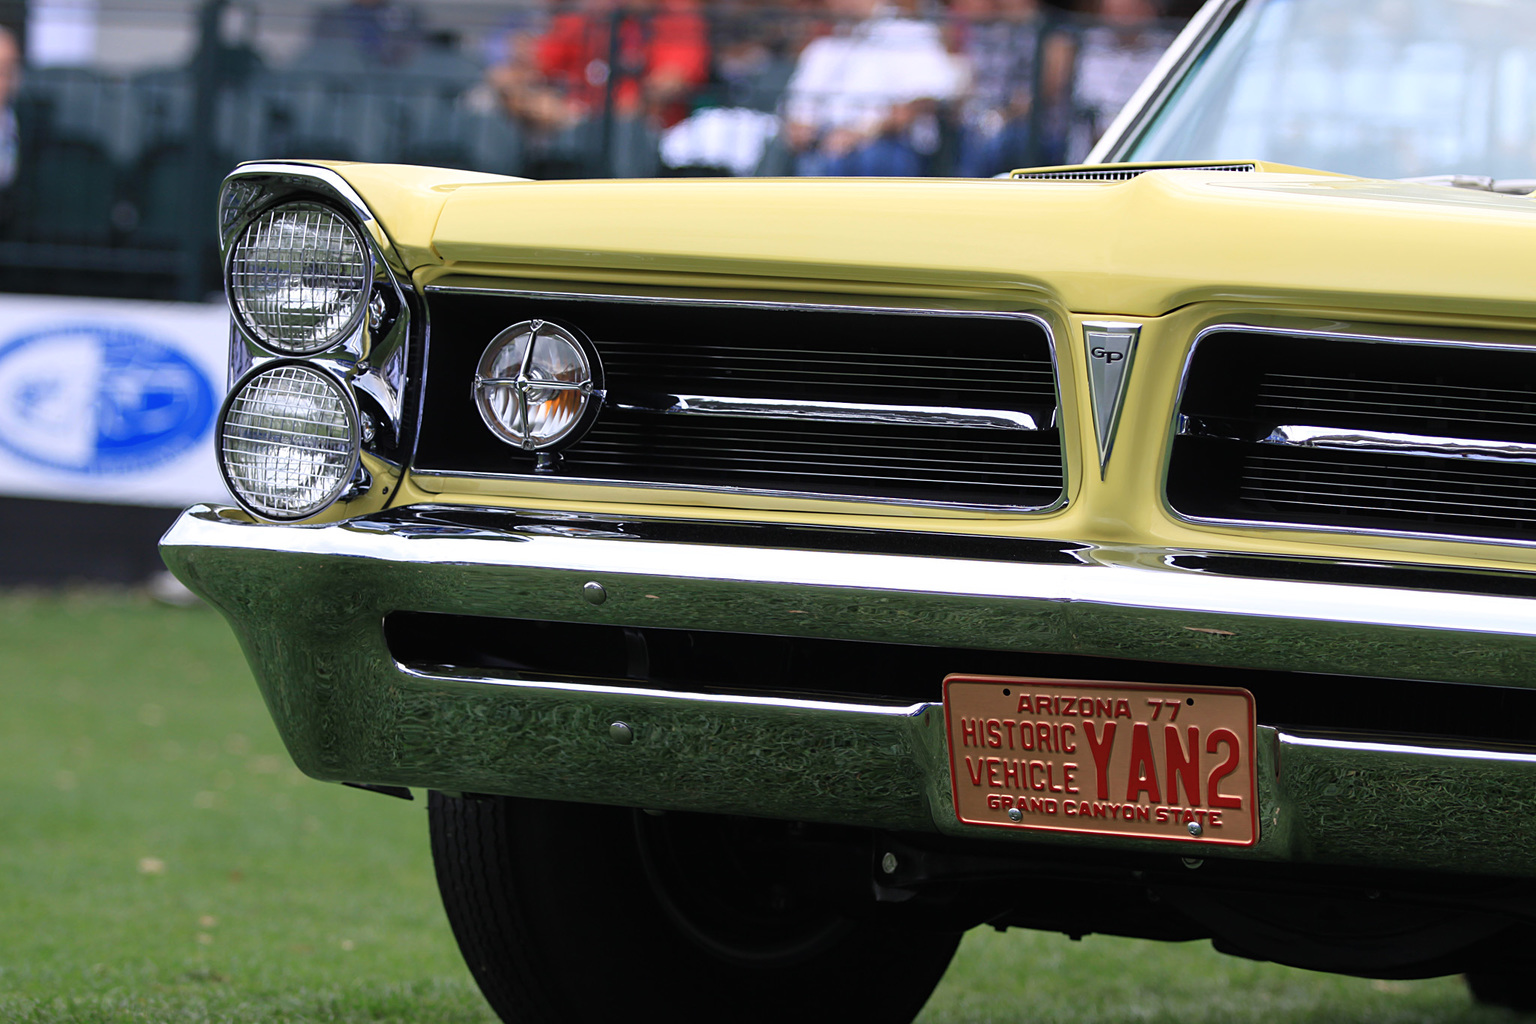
<point x="746" y="353"/>
<point x="853" y="455"/>
<point x="1344" y="384"/>
<point x="1245" y="384"/>
<point x="1357" y="506"/>
<point x="1451" y="481"/>
<point x="893" y="362"/>
<point x="814" y="474"/>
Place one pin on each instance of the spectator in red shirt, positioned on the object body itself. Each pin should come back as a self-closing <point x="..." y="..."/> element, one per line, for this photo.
<point x="662" y="55"/>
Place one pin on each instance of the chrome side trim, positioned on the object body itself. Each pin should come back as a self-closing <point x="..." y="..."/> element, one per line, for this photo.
<point x="1177" y="428"/>
<point x="1387" y="443"/>
<point x="834" y="412"/>
<point x="307" y="602"/>
<point x="522" y="292"/>
<point x="1207" y="24"/>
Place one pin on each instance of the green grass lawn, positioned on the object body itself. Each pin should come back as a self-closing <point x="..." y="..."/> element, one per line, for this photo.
<point x="161" y="860"/>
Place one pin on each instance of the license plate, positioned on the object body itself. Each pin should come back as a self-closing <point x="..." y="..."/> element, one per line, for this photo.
<point x="1123" y="759"/>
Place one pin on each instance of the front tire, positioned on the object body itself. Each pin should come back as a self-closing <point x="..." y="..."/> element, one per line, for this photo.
<point x="572" y="912"/>
<point x="1511" y="988"/>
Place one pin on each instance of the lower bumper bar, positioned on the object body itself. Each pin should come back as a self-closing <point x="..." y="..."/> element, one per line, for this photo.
<point x="308" y="604"/>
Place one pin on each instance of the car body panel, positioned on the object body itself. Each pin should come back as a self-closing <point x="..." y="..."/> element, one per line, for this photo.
<point x="1427" y="636"/>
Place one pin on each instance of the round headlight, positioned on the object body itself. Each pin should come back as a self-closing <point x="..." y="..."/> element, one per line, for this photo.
<point x="535" y="386"/>
<point x="288" y="442"/>
<point x="298" y="278"/>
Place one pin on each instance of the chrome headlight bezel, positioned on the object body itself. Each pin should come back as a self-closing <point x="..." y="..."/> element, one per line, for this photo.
<point x="348" y="469"/>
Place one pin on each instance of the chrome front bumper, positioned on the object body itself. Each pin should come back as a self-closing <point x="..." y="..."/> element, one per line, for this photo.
<point x="308" y="604"/>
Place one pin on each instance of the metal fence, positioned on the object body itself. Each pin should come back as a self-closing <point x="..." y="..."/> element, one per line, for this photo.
<point x="118" y="172"/>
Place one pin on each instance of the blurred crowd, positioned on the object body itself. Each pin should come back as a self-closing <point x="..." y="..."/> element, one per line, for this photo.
<point x="108" y="168"/>
<point x="815" y="87"/>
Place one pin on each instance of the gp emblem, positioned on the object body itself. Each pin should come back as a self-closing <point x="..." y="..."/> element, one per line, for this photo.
<point x="1111" y="350"/>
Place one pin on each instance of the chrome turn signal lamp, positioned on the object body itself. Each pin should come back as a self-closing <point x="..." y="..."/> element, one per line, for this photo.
<point x="288" y="441"/>
<point x="538" y="386"/>
<point x="299" y="278"/>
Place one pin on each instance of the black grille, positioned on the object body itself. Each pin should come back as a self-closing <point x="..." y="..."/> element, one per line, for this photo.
<point x="767" y="352"/>
<point x="1396" y="398"/>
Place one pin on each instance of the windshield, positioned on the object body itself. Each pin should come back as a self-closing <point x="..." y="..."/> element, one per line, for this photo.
<point x="1379" y="88"/>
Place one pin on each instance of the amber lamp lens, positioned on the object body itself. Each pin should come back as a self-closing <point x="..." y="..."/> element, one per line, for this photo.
<point x="533" y="385"/>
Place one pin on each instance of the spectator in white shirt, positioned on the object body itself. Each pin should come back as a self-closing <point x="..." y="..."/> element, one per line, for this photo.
<point x="862" y="101"/>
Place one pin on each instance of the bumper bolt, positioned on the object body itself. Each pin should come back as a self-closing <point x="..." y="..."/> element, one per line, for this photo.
<point x="594" y="593"/>
<point x="888" y="863"/>
<point x="620" y="732"/>
<point x="1195" y="828"/>
<point x="1014" y="814"/>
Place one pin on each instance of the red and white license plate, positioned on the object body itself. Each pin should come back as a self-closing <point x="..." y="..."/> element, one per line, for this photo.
<point x="1124" y="759"/>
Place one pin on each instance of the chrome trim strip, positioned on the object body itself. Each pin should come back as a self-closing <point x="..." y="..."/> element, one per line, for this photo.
<point x="835" y="412"/>
<point x="1384" y="338"/>
<point x="307" y="602"/>
<point x="618" y="297"/>
<point x="918" y="508"/>
<point x="521" y="291"/>
<point x="1417" y="750"/>
<point x="1387" y="443"/>
<point x="1396" y="805"/>
<point x="732" y="699"/>
<point x="1207" y="24"/>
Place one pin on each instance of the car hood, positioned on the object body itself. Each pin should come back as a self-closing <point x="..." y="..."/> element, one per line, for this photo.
<point x="1140" y="247"/>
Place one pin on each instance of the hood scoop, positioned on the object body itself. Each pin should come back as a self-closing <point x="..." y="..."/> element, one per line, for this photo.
<point x="1120" y="172"/>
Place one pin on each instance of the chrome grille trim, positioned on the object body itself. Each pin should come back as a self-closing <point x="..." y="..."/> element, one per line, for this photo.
<point x="836" y="412"/>
<point x="1380" y="442"/>
<point x="1350" y="477"/>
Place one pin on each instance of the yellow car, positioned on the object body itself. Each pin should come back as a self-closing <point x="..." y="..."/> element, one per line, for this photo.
<point x="772" y="579"/>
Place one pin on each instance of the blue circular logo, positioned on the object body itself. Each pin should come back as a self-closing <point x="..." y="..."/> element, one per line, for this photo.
<point x="97" y="399"/>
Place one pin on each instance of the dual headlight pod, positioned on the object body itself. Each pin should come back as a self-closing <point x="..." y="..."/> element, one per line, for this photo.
<point x="298" y="277"/>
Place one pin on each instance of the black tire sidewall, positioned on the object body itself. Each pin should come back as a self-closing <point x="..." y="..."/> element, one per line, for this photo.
<point x="558" y="920"/>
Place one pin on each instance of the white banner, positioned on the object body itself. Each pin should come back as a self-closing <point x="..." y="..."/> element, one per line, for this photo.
<point x="111" y="400"/>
